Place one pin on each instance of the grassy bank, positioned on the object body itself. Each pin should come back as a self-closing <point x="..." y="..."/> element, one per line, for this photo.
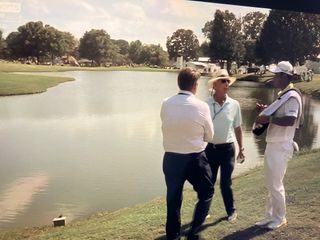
<point x="17" y="67"/>
<point x="146" y="221"/>
<point x="17" y="84"/>
<point x="311" y="88"/>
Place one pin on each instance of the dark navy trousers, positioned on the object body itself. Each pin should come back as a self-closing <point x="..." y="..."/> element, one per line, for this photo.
<point x="223" y="156"/>
<point x="194" y="168"/>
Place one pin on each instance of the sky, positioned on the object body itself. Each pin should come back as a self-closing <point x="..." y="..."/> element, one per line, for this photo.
<point x="150" y="21"/>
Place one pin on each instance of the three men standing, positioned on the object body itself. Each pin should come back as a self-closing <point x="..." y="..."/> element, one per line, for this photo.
<point x="187" y="127"/>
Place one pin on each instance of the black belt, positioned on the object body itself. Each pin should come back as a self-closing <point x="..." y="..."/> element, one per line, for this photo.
<point x="220" y="145"/>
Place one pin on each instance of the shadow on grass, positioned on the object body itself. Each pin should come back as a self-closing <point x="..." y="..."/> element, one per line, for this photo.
<point x="247" y="233"/>
<point x="185" y="228"/>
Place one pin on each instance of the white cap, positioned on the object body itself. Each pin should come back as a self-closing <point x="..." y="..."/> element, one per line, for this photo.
<point x="283" y="66"/>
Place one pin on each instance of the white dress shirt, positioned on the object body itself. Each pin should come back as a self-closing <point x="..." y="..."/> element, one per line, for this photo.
<point x="186" y="123"/>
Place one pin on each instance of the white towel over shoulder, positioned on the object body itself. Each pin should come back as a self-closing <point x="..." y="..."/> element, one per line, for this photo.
<point x="278" y="103"/>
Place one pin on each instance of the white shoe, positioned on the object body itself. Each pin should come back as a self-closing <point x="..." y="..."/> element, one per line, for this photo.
<point x="208" y="216"/>
<point x="295" y="146"/>
<point x="276" y="224"/>
<point x="232" y="217"/>
<point x="263" y="222"/>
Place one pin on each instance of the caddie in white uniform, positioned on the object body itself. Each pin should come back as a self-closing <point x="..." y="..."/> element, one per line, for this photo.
<point x="284" y="116"/>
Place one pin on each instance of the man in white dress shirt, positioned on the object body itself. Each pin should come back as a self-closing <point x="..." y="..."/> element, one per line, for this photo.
<point x="186" y="129"/>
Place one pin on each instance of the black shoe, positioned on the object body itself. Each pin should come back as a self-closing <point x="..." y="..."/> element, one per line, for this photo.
<point x="194" y="237"/>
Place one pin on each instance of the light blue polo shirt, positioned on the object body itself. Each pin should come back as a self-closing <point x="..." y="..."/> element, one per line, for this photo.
<point x="225" y="118"/>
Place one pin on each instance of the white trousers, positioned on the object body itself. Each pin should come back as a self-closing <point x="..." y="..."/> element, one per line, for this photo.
<point x="276" y="158"/>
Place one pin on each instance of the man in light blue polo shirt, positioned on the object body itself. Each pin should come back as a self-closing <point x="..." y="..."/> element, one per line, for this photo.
<point x="226" y="117"/>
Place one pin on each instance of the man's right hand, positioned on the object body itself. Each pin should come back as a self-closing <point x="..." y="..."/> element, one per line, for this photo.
<point x="260" y="107"/>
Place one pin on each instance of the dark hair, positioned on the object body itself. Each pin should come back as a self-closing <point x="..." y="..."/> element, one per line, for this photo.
<point x="187" y="78"/>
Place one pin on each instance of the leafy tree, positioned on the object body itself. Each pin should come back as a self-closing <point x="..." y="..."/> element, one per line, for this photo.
<point x="31" y="37"/>
<point x="119" y="59"/>
<point x="68" y="43"/>
<point x="57" y="43"/>
<point x="182" y="43"/>
<point x="252" y="24"/>
<point x="161" y="58"/>
<point x="38" y="41"/>
<point x="123" y="46"/>
<point x="226" y="41"/>
<point x="289" y="35"/>
<point x="157" y="56"/>
<point x="115" y="55"/>
<point x="207" y="29"/>
<point x="135" y="49"/>
<point x="145" y="54"/>
<point x="94" y="45"/>
<point x="50" y="44"/>
<point x="250" y="56"/>
<point x="204" y="49"/>
<point x="3" y="47"/>
<point x="15" y="45"/>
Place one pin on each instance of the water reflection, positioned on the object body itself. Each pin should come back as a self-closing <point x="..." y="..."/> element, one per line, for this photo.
<point x="98" y="139"/>
<point x="307" y="135"/>
<point x="19" y="195"/>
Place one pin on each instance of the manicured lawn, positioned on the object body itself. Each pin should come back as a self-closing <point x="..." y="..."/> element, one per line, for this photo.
<point x="147" y="221"/>
<point x="18" y="84"/>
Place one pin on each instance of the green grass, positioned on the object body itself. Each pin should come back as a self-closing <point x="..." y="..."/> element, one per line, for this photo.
<point x="17" y="67"/>
<point x="146" y="221"/>
<point x="17" y="84"/>
<point x="311" y="88"/>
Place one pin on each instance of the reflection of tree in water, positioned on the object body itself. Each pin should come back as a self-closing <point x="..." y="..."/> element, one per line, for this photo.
<point x="306" y="134"/>
<point x="261" y="142"/>
<point x="248" y="117"/>
<point x="248" y="97"/>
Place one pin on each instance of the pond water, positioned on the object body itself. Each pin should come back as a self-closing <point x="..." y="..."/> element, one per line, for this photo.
<point x="95" y="144"/>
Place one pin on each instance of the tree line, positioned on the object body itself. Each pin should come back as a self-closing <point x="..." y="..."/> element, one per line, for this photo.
<point x="255" y="37"/>
<point x="43" y="43"/>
